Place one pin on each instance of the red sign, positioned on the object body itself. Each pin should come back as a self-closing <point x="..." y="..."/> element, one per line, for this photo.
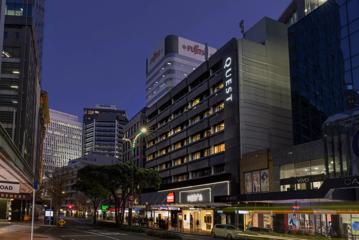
<point x="195" y="49"/>
<point x="171" y="197"/>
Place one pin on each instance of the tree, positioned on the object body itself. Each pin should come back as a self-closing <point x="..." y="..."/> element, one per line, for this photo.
<point x="93" y="189"/>
<point x="55" y="189"/>
<point x="120" y="179"/>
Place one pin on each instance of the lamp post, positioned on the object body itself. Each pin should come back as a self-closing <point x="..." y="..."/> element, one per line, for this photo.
<point x="133" y="144"/>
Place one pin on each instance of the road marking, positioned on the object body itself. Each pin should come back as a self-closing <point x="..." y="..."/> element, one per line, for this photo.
<point x="105" y="234"/>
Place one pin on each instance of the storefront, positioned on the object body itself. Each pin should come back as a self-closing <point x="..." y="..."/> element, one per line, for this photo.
<point x="188" y="209"/>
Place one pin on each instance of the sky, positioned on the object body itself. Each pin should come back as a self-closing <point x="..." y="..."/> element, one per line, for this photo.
<point x="95" y="51"/>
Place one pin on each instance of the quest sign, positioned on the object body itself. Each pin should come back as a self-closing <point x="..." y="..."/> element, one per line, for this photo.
<point x="9" y="187"/>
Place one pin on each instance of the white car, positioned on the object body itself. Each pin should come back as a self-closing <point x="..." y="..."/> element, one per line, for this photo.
<point x="225" y="231"/>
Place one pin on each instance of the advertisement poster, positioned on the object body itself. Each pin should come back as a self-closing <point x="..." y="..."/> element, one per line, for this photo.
<point x="248" y="182"/>
<point x="256" y="181"/>
<point x="355" y="226"/>
<point x="265" y="180"/>
<point x="293" y="222"/>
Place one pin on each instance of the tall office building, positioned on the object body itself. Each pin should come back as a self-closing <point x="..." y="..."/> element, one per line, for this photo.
<point x="324" y="62"/>
<point x="63" y="140"/>
<point x="103" y="129"/>
<point x="171" y="63"/>
<point x="20" y="83"/>
<point x="236" y="102"/>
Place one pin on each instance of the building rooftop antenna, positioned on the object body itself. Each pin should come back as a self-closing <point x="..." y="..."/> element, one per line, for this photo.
<point x="241" y="26"/>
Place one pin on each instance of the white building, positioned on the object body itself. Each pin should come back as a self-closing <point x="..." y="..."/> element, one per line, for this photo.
<point x="63" y="140"/>
<point x="171" y="63"/>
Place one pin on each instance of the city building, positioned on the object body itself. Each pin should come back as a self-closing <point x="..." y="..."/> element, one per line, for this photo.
<point x="23" y="105"/>
<point x="63" y="140"/>
<point x="20" y="83"/>
<point x="324" y="62"/>
<point x="235" y="103"/>
<point x="306" y="182"/>
<point x="170" y="63"/>
<point x="135" y="154"/>
<point x="103" y="129"/>
<point x="69" y="175"/>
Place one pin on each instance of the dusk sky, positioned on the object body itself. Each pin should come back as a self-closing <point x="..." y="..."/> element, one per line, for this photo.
<point x="95" y="51"/>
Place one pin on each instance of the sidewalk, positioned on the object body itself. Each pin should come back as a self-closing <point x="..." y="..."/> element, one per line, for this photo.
<point x="20" y="231"/>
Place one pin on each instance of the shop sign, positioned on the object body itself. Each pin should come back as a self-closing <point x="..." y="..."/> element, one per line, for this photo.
<point x="9" y="187"/>
<point x="351" y="181"/>
<point x="197" y="196"/>
<point x="171" y="197"/>
<point x="228" y="79"/>
<point x="303" y="180"/>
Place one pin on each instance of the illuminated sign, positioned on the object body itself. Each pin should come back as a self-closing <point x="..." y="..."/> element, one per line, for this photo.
<point x="303" y="180"/>
<point x="195" y="196"/>
<point x="228" y="79"/>
<point x="171" y="197"/>
<point x="8" y="187"/>
<point x="195" y="49"/>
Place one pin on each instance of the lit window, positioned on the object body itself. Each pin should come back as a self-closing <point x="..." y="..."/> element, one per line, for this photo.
<point x="178" y="145"/>
<point x="219" y="127"/>
<point x="218" y="87"/>
<point x="219" y="148"/>
<point x="219" y="107"/>
<point x="196" y="155"/>
<point x="196" y="137"/>
<point x="196" y="101"/>
<point x="177" y="129"/>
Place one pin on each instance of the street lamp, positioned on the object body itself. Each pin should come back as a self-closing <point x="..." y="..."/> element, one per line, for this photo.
<point x="133" y="144"/>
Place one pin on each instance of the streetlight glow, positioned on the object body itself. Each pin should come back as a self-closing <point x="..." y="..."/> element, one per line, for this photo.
<point x="144" y="130"/>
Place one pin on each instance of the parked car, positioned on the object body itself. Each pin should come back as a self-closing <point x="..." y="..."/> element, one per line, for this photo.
<point x="225" y="231"/>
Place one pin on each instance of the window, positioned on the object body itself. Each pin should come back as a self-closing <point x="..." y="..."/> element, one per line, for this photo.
<point x="201" y="173"/>
<point x="218" y="169"/>
<point x="196" y="155"/>
<point x="219" y="127"/>
<point x="195" y="102"/>
<point x="218" y="87"/>
<point x="196" y="119"/>
<point x="218" y="148"/>
<point x="196" y="137"/>
<point x="170" y="133"/>
<point x="177" y="145"/>
<point x="180" y="161"/>
<point x="150" y="157"/>
<point x="219" y="107"/>
<point x="162" y="152"/>
<point x="177" y="129"/>
<point x="180" y="178"/>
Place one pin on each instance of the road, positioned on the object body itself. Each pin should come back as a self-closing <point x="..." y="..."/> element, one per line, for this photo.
<point x="75" y="230"/>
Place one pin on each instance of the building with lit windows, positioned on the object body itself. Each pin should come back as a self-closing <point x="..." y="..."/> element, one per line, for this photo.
<point x="236" y="102"/>
<point x="103" y="129"/>
<point x="63" y="140"/>
<point x="323" y="40"/>
<point x="170" y="63"/>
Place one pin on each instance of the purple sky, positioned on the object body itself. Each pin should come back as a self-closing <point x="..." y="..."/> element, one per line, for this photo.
<point x="95" y="51"/>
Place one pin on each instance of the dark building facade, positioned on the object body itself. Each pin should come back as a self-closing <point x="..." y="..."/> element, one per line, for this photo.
<point x="135" y="154"/>
<point x="20" y="83"/>
<point x="103" y="129"/>
<point x="324" y="62"/>
<point x="228" y="106"/>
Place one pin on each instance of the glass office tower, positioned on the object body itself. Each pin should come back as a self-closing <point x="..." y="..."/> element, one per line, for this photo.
<point x="324" y="62"/>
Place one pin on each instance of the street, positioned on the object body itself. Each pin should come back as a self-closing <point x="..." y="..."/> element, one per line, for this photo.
<point x="74" y="230"/>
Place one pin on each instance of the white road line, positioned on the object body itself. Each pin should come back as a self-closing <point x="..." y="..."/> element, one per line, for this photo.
<point x="104" y="235"/>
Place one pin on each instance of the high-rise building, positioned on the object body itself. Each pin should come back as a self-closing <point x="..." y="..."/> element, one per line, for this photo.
<point x="135" y="154"/>
<point x="236" y="102"/>
<point x="324" y="62"/>
<point x="103" y="129"/>
<point x="20" y="83"/>
<point x="63" y="140"/>
<point x="171" y="63"/>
